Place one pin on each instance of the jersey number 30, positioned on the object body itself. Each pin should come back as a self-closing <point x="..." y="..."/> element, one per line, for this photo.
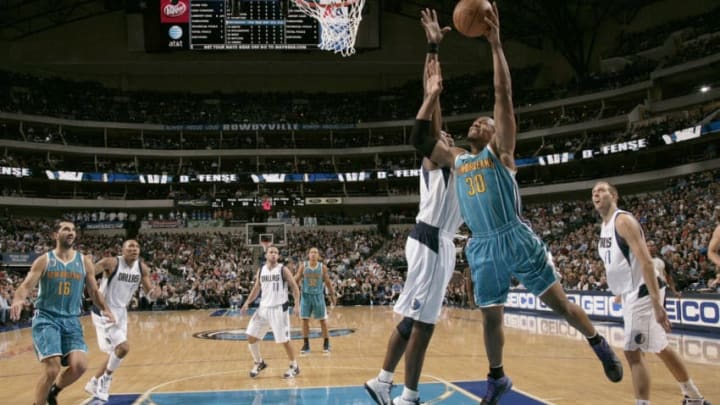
<point x="476" y="184"/>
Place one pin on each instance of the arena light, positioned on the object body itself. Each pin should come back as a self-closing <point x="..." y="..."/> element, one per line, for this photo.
<point x="704" y="89"/>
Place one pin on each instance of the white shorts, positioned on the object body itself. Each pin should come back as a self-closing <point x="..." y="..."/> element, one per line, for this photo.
<point x="427" y="279"/>
<point x="110" y="335"/>
<point x="273" y="318"/>
<point x="642" y="332"/>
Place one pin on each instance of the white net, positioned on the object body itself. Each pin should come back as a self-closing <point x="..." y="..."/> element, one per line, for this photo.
<point x="339" y="21"/>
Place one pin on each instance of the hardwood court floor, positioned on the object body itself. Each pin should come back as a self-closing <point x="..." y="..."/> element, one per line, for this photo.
<point x="544" y="357"/>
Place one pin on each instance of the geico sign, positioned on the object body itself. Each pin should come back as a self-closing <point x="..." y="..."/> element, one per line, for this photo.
<point x="694" y="311"/>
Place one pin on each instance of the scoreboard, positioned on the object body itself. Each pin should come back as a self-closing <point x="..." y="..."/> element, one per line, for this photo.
<point x="236" y="25"/>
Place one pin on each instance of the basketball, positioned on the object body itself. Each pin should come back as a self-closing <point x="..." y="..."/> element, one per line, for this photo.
<point x="469" y="17"/>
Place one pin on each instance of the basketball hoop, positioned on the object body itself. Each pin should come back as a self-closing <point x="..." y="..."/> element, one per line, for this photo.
<point x="339" y="21"/>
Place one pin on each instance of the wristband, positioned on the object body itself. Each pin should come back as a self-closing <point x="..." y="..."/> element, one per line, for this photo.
<point x="433" y="48"/>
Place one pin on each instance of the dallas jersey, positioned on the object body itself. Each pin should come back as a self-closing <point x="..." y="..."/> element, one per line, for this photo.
<point x="273" y="286"/>
<point x="61" y="286"/>
<point x="429" y="249"/>
<point x="119" y="288"/>
<point x="625" y="278"/>
<point x="486" y="211"/>
<point x="622" y="269"/>
<point x="438" y="200"/>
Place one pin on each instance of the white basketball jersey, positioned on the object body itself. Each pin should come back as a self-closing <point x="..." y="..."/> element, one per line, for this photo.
<point x="621" y="266"/>
<point x="119" y="288"/>
<point x="438" y="200"/>
<point x="273" y="287"/>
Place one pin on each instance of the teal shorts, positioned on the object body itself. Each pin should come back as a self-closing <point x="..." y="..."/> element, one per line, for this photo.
<point x="313" y="305"/>
<point x="511" y="250"/>
<point x="56" y="336"/>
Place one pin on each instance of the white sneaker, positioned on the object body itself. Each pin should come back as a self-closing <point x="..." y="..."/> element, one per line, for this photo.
<point x="402" y="401"/>
<point x="379" y="390"/>
<point x="291" y="372"/>
<point x="91" y="386"/>
<point x="103" y="387"/>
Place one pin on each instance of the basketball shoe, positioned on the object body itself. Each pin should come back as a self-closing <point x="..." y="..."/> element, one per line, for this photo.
<point x="257" y="368"/>
<point x="402" y="401"/>
<point x="305" y="349"/>
<point x="693" y="401"/>
<point x="379" y="390"/>
<point x="326" y="347"/>
<point x="91" y="386"/>
<point x="611" y="364"/>
<point x="292" y="372"/>
<point x="495" y="389"/>
<point x="103" y="387"/>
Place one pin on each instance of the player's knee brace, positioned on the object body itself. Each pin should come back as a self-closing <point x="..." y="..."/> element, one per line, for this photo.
<point x="404" y="327"/>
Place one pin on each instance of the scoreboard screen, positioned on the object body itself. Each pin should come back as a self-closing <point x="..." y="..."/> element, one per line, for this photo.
<point x="242" y="25"/>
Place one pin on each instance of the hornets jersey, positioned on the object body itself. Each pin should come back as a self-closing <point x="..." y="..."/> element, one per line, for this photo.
<point x="487" y="191"/>
<point x="312" y="278"/>
<point x="61" y="286"/>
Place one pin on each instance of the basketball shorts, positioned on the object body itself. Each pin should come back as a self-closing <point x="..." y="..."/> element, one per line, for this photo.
<point x="110" y="335"/>
<point x="273" y="318"/>
<point x="313" y="305"/>
<point x="56" y="336"/>
<point x="430" y="255"/>
<point x="642" y="332"/>
<point x="513" y="249"/>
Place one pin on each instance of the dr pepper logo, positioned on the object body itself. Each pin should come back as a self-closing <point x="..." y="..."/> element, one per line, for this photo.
<point x="174" y="11"/>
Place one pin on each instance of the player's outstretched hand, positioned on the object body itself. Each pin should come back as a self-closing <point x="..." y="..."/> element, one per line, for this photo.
<point x="433" y="32"/>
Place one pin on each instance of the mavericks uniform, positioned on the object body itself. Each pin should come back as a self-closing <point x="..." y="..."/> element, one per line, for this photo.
<point x="273" y="310"/>
<point x="313" y="298"/>
<point x="429" y="249"/>
<point x="118" y="290"/>
<point x="502" y="242"/>
<point x="625" y="278"/>
<point x="56" y="329"/>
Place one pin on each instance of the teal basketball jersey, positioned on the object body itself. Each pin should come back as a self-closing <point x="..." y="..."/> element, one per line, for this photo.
<point x="312" y="279"/>
<point x="61" y="286"/>
<point x="488" y="194"/>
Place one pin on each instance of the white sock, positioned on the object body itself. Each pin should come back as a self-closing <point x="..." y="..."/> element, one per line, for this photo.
<point x="385" y="376"/>
<point x="113" y="363"/>
<point x="688" y="388"/>
<point x="255" y="351"/>
<point x="642" y="402"/>
<point x="293" y="363"/>
<point x="409" y="394"/>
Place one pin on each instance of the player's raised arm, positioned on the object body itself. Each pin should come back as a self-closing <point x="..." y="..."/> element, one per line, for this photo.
<point x="504" y="113"/>
<point x="23" y="290"/>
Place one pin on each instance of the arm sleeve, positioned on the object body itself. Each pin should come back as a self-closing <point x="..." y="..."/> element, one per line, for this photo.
<point x="421" y="137"/>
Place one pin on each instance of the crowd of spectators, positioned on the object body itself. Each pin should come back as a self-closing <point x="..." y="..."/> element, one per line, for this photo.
<point x="62" y="98"/>
<point x="200" y="270"/>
